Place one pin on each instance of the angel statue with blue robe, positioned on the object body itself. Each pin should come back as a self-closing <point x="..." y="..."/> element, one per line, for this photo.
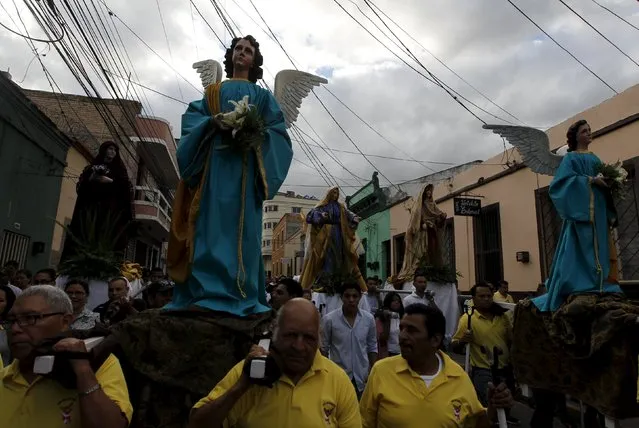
<point x="214" y="252"/>
<point x="585" y="259"/>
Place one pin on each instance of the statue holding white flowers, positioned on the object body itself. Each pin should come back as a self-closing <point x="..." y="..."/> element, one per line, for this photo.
<point x="233" y="154"/>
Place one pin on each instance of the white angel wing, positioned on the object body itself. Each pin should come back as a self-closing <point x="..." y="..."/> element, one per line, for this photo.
<point x="210" y="71"/>
<point x="291" y="87"/>
<point x="533" y="146"/>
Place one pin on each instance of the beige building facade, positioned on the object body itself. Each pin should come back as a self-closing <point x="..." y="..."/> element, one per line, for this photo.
<point x="515" y="235"/>
<point x="274" y="209"/>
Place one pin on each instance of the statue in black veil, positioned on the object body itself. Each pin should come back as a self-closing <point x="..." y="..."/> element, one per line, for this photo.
<point x="102" y="218"/>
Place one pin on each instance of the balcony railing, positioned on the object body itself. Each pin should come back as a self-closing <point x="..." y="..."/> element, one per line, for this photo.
<point x="151" y="202"/>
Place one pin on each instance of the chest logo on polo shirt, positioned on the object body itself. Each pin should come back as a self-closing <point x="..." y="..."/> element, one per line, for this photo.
<point x="328" y="409"/>
<point x="66" y="408"/>
<point x="457" y="405"/>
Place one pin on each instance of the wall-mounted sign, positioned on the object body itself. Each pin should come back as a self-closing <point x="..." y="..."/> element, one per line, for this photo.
<point x="467" y="206"/>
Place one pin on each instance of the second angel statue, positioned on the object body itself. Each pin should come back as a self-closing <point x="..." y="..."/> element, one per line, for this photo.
<point x="214" y="252"/>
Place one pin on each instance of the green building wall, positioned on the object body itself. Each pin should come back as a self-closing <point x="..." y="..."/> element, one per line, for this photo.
<point x="374" y="230"/>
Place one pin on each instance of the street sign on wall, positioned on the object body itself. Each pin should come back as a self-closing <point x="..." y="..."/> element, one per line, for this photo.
<point x="467" y="207"/>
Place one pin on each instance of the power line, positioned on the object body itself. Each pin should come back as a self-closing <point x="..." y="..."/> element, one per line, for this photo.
<point x="433" y="79"/>
<point x="444" y="64"/>
<point x="168" y="44"/>
<point x="318" y="98"/>
<point x="209" y="25"/>
<point x="615" y="14"/>
<point x="102" y="109"/>
<point x="599" y="32"/>
<point x="330" y="92"/>
<point x="149" y="89"/>
<point x="375" y="130"/>
<point x="33" y="39"/>
<point x="111" y="13"/>
<point x="197" y="50"/>
<point x="561" y="46"/>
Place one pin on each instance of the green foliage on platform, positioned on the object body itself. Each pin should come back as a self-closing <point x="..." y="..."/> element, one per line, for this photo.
<point x="93" y="256"/>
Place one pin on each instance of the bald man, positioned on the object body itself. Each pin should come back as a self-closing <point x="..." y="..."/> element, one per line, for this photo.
<point x="312" y="391"/>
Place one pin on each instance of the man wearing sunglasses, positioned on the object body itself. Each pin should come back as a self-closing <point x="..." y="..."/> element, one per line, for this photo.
<point x="100" y="398"/>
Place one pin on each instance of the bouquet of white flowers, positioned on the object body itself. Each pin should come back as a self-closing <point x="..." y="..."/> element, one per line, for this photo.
<point x="245" y="123"/>
<point x="100" y="169"/>
<point x="615" y="176"/>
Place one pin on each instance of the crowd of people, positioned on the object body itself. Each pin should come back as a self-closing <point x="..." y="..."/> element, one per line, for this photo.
<point x="343" y="367"/>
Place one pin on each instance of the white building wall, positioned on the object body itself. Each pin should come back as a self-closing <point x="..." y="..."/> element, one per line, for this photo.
<point x="274" y="210"/>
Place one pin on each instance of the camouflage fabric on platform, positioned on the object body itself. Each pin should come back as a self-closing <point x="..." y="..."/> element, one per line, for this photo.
<point x="171" y="359"/>
<point x="587" y="349"/>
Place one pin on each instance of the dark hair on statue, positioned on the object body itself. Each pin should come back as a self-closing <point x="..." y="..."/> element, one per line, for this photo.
<point x="571" y="135"/>
<point x="256" y="72"/>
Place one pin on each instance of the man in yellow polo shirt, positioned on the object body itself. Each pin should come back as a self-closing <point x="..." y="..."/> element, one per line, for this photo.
<point x="501" y="295"/>
<point x="99" y="400"/>
<point x="423" y="387"/>
<point x="490" y="329"/>
<point x="312" y="391"/>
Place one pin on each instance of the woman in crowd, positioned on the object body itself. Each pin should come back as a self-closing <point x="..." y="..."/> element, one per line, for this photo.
<point x="7" y="297"/>
<point x="387" y="319"/>
<point x="78" y="292"/>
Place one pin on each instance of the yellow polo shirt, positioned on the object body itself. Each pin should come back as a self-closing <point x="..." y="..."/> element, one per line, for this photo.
<point x="45" y="403"/>
<point x="497" y="297"/>
<point x="397" y="397"/>
<point x="486" y="335"/>
<point x="324" y="397"/>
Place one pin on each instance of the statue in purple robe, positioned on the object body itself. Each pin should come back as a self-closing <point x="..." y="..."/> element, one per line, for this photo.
<point x="331" y="247"/>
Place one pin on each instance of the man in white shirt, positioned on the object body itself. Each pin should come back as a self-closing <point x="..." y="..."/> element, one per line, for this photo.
<point x="349" y="337"/>
<point x="372" y="296"/>
<point x="419" y="294"/>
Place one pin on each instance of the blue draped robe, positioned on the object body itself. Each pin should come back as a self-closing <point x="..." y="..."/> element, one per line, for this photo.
<point x="582" y="258"/>
<point x="213" y="280"/>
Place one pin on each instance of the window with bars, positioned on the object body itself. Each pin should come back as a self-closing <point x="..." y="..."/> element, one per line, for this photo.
<point x="14" y="246"/>
<point x="448" y="246"/>
<point x="399" y="248"/>
<point x="625" y="236"/>
<point x="386" y="258"/>
<point x="489" y="263"/>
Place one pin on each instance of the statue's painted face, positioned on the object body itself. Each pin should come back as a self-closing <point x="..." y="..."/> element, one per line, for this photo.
<point x="428" y="193"/>
<point x="334" y="194"/>
<point x="243" y="54"/>
<point x="109" y="154"/>
<point x="584" y="137"/>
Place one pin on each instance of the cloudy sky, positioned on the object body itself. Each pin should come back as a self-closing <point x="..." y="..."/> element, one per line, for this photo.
<point x="486" y="42"/>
